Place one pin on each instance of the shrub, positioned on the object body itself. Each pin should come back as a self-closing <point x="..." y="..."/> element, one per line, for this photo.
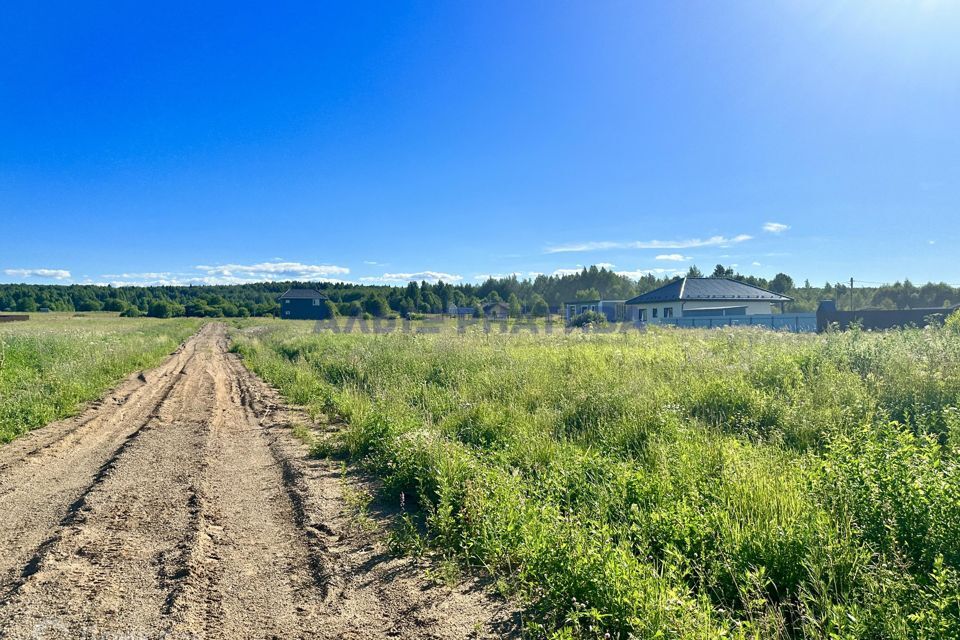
<point x="588" y="319"/>
<point x="953" y="322"/>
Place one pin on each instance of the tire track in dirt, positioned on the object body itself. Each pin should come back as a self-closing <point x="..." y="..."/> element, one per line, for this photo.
<point x="110" y="553"/>
<point x="182" y="507"/>
<point x="45" y="475"/>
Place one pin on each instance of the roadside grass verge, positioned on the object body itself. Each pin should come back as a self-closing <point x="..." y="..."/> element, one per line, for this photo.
<point x="50" y="367"/>
<point x="674" y="483"/>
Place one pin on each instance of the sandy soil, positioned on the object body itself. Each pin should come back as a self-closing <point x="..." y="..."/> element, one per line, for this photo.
<point x="181" y="506"/>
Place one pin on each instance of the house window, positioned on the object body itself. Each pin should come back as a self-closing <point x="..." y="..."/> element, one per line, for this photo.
<point x="286" y="302"/>
<point x="642" y="315"/>
<point x="668" y="312"/>
<point x="653" y="312"/>
<point x="316" y="302"/>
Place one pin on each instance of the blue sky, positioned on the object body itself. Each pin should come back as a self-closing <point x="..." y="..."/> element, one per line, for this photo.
<point x="376" y="142"/>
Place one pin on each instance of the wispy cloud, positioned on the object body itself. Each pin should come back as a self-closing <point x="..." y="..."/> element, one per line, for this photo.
<point x="609" y="266"/>
<point x="775" y="227"/>
<point x="145" y="275"/>
<point x="639" y="273"/>
<point x="272" y="271"/>
<point x="559" y="273"/>
<point x="483" y="277"/>
<point x="691" y="243"/>
<point x="275" y="270"/>
<point x="673" y="257"/>
<point x="55" y="274"/>
<point x="429" y="276"/>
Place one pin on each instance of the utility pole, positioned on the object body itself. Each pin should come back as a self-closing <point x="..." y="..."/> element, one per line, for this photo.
<point x="851" y="295"/>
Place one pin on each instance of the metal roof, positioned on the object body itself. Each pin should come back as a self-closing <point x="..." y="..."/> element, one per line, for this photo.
<point x="302" y="293"/>
<point x="725" y="289"/>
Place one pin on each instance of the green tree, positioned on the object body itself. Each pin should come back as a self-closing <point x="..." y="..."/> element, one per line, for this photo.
<point x="588" y="294"/>
<point x="160" y="309"/>
<point x="538" y="306"/>
<point x="114" y="304"/>
<point x="721" y="271"/>
<point x="376" y="306"/>
<point x="514" y="303"/>
<point x="781" y="283"/>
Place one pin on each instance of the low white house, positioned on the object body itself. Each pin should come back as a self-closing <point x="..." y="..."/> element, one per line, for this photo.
<point x="703" y="298"/>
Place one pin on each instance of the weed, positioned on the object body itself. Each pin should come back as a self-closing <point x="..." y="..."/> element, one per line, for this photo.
<point x="676" y="484"/>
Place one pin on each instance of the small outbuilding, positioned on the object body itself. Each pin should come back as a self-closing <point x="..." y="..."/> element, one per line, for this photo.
<point x="496" y="310"/>
<point x="303" y="304"/>
<point x="614" y="310"/>
<point x="703" y="298"/>
<point x="461" y="312"/>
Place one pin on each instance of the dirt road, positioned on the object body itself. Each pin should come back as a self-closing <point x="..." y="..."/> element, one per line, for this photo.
<point x="181" y="506"/>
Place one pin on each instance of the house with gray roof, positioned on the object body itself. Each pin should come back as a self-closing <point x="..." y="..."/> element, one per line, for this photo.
<point x="703" y="298"/>
<point x="303" y="304"/>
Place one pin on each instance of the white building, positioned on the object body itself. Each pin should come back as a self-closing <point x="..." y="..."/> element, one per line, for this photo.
<point x="703" y="298"/>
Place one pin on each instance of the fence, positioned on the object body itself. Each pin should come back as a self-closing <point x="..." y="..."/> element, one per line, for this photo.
<point x="878" y="319"/>
<point x="794" y="322"/>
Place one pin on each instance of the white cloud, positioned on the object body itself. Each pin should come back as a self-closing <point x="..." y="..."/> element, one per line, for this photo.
<point x="559" y="273"/>
<point x="756" y="264"/>
<point x="56" y="274"/>
<point x="429" y="276"/>
<point x="275" y="271"/>
<point x="639" y="273"/>
<point x="145" y="275"/>
<point x="168" y="280"/>
<point x="271" y="271"/>
<point x="673" y="257"/>
<point x="483" y="277"/>
<point x="606" y="265"/>
<point x="713" y="241"/>
<point x="931" y="242"/>
<point x="775" y="227"/>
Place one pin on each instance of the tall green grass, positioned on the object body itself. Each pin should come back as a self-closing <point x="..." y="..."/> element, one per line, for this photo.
<point x="674" y="483"/>
<point x="50" y="366"/>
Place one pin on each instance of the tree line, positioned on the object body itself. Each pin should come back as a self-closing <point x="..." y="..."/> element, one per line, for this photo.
<point x="537" y="296"/>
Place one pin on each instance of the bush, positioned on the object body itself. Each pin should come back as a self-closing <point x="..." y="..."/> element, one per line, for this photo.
<point x="114" y="304"/>
<point x="588" y="319"/>
<point x="953" y="322"/>
<point x="165" y="309"/>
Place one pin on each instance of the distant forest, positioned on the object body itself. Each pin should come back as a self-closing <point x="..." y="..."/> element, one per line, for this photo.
<point x="535" y="297"/>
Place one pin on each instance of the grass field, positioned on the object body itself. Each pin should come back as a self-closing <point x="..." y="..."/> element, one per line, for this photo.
<point x="53" y="363"/>
<point x="681" y="484"/>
